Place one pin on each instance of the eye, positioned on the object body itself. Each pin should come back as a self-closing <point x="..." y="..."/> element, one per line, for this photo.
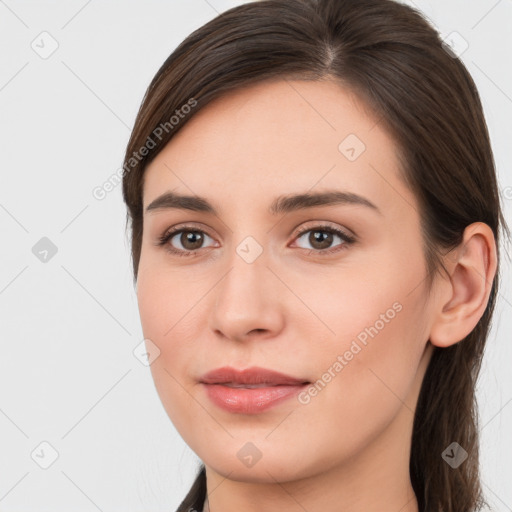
<point x="188" y="239"/>
<point x="322" y="237"/>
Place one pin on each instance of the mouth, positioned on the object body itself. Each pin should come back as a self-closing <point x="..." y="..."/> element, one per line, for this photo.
<point x="250" y="391"/>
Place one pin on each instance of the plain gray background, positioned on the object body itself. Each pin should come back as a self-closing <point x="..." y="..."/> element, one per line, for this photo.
<point x="68" y="376"/>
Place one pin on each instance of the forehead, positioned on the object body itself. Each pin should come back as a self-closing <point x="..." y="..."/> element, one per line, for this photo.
<point x="277" y="137"/>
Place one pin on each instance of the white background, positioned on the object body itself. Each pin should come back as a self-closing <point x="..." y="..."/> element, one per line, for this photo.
<point x="68" y="375"/>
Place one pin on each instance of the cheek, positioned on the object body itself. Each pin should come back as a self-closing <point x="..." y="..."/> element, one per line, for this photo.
<point x="169" y="320"/>
<point x="166" y="300"/>
<point x="376" y="299"/>
<point x="377" y="317"/>
<point x="167" y="315"/>
<point x="365" y="374"/>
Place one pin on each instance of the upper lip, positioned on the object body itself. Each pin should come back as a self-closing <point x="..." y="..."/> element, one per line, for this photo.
<point x="253" y="375"/>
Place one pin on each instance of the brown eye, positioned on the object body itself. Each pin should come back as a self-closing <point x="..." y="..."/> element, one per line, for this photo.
<point x="321" y="239"/>
<point x="191" y="240"/>
<point x="184" y="242"/>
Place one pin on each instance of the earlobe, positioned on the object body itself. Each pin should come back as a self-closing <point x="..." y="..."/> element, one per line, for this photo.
<point x="464" y="297"/>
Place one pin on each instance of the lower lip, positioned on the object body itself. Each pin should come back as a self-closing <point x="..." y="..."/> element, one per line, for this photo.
<point x="250" y="400"/>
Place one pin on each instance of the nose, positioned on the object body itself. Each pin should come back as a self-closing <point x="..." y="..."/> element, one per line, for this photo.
<point x="247" y="302"/>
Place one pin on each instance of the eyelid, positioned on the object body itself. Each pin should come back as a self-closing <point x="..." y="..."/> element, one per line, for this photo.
<point x="187" y="226"/>
<point x="318" y="224"/>
<point x="346" y="235"/>
<point x="304" y="226"/>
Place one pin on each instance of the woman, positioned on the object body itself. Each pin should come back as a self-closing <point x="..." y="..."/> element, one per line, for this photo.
<point x="315" y="238"/>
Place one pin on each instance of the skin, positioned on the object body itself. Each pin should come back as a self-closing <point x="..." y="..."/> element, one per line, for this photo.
<point x="294" y="310"/>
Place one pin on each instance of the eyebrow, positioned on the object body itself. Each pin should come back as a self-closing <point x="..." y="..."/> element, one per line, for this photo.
<point x="282" y="204"/>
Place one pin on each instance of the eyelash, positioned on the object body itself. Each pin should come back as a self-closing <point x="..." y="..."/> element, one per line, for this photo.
<point x="347" y="240"/>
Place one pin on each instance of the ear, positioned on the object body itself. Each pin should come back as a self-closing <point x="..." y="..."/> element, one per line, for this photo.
<point x="463" y="297"/>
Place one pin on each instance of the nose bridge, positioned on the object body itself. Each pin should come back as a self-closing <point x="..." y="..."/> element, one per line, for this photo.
<point x="244" y="300"/>
<point x="242" y="285"/>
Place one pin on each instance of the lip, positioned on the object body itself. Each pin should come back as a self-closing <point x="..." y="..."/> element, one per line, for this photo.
<point x="253" y="375"/>
<point x="278" y="387"/>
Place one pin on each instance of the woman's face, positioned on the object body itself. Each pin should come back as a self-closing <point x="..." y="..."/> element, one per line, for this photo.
<point x="347" y="312"/>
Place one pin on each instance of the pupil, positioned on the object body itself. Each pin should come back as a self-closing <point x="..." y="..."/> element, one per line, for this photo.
<point x="324" y="239"/>
<point x="191" y="237"/>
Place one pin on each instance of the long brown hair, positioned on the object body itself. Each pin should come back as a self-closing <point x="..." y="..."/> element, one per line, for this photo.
<point x="396" y="63"/>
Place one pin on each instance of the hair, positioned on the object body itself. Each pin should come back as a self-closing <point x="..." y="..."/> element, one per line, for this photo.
<point x="395" y="61"/>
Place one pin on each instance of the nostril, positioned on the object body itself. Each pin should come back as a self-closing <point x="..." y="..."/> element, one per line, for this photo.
<point x="257" y="330"/>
